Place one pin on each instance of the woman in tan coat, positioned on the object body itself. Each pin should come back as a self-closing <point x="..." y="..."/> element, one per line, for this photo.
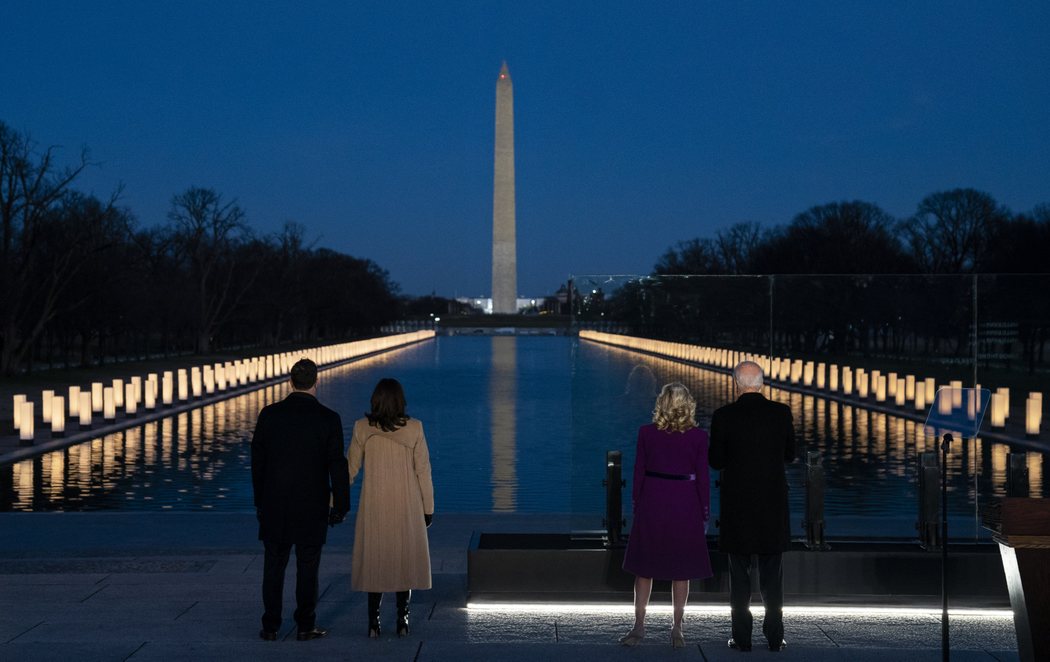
<point x="391" y="551"/>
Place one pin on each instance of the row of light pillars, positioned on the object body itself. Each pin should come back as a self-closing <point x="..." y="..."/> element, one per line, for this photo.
<point x="886" y="388"/>
<point x="103" y="400"/>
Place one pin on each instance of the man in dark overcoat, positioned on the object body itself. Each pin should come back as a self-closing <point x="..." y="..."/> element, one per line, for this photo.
<point x="302" y="486"/>
<point x="751" y="440"/>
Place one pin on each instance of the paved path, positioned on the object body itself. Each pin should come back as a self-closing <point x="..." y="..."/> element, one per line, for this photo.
<point x="185" y="586"/>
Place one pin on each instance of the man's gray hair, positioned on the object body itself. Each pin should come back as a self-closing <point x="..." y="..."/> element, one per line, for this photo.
<point x="748" y="374"/>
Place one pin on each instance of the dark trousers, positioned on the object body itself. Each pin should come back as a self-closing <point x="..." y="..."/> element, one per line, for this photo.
<point x="771" y="585"/>
<point x="307" y="564"/>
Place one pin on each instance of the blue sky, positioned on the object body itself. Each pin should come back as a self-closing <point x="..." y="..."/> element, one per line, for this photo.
<point x="636" y="125"/>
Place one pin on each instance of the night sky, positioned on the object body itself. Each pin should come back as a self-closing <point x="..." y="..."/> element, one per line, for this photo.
<point x="636" y="126"/>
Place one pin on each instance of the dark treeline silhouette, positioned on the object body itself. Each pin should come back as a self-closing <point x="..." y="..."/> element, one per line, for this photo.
<point x="953" y="280"/>
<point x="81" y="282"/>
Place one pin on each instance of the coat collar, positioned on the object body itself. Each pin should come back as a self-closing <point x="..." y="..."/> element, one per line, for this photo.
<point x="301" y="394"/>
<point x="750" y="397"/>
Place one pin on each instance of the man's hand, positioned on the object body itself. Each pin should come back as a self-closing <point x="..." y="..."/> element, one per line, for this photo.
<point x="335" y="517"/>
<point x="429" y="519"/>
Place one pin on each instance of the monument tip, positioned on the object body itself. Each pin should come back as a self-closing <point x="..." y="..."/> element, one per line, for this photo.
<point x="504" y="73"/>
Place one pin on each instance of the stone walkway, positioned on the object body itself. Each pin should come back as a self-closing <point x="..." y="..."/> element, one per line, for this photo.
<point x="185" y="586"/>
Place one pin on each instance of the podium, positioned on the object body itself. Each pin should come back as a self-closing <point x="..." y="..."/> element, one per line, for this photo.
<point x="1022" y="528"/>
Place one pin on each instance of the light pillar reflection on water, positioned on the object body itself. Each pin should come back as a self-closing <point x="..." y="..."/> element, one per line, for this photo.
<point x="503" y="394"/>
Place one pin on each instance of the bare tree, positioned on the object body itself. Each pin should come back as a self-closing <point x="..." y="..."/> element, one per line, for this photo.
<point x="736" y="247"/>
<point x="950" y="231"/>
<point x="36" y="262"/>
<point x="208" y="234"/>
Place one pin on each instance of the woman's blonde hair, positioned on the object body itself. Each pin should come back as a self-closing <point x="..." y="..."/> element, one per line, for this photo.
<point x="675" y="408"/>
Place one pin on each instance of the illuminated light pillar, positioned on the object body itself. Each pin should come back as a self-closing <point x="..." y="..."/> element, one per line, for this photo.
<point x="26" y="423"/>
<point x="833" y="378"/>
<point x="96" y="397"/>
<point x="58" y="416"/>
<point x="18" y="400"/>
<point x="998" y="413"/>
<point x="807" y="373"/>
<point x="909" y="387"/>
<point x="150" y="397"/>
<point x="45" y="405"/>
<point x="167" y="388"/>
<point x="109" y="404"/>
<point x="118" y="393"/>
<point x="1033" y="416"/>
<point x="891" y="385"/>
<point x="184" y="385"/>
<point x="220" y="377"/>
<point x="131" y="403"/>
<point x="901" y="392"/>
<point x="136" y="389"/>
<point x="85" y="409"/>
<point x="196" y="384"/>
<point x="847" y="381"/>
<point x="920" y="396"/>
<point x="956" y="387"/>
<point x="209" y="379"/>
<point x="873" y="378"/>
<point x="1005" y="392"/>
<point x="74" y="402"/>
<point x="269" y="366"/>
<point x="504" y="239"/>
<point x="880" y="389"/>
<point x="862" y="383"/>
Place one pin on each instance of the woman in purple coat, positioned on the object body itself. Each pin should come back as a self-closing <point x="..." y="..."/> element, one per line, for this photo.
<point x="671" y="507"/>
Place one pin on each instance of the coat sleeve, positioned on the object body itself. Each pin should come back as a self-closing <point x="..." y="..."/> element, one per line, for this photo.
<point x="716" y="453"/>
<point x="259" y="447"/>
<point x="639" y="470"/>
<point x="337" y="467"/>
<point x="421" y="460"/>
<point x="703" y="478"/>
<point x="356" y="454"/>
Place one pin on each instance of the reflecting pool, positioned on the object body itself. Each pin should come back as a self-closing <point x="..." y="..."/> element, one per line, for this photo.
<point x="514" y="424"/>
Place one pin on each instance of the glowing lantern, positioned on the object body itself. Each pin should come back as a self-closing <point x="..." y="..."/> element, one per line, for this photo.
<point x="85" y="409"/>
<point x="58" y="416"/>
<point x="862" y="383"/>
<point x="118" y="392"/>
<point x="184" y="385"/>
<point x="131" y="404"/>
<point x="109" y="404"/>
<point x="45" y="405"/>
<point x="920" y="396"/>
<point x="26" y="423"/>
<point x="1033" y="417"/>
<point x="96" y="397"/>
<point x="74" y="402"/>
<point x="196" y="384"/>
<point x="167" y="388"/>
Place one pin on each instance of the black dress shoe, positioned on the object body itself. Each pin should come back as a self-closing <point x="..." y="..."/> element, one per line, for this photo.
<point x="267" y="635"/>
<point x="307" y="635"/>
<point x="743" y="648"/>
<point x="776" y="648"/>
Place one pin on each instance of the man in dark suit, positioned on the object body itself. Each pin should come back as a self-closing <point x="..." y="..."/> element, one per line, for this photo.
<point x="751" y="440"/>
<point x="302" y="486"/>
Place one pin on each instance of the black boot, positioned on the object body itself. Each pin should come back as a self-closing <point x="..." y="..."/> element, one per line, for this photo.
<point x="403" y="598"/>
<point x="374" y="602"/>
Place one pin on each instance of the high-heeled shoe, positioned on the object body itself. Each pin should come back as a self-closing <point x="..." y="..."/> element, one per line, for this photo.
<point x="677" y="640"/>
<point x="403" y="599"/>
<point x="632" y="638"/>
<point x="375" y="600"/>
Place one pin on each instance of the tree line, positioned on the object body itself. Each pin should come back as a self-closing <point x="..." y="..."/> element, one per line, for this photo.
<point x="961" y="276"/>
<point x="82" y="282"/>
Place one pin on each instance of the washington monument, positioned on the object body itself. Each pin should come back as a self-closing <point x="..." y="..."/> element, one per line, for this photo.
<point x="504" y="242"/>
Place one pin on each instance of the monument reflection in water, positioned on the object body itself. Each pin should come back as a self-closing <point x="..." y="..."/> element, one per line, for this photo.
<point x="514" y="425"/>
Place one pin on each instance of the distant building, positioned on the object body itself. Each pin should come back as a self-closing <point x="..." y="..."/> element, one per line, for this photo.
<point x="484" y="304"/>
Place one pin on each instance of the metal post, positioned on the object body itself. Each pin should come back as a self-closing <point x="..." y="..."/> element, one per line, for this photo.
<point x="945" y="444"/>
<point x="614" y="485"/>
<point x="814" y="522"/>
<point x="929" y="536"/>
